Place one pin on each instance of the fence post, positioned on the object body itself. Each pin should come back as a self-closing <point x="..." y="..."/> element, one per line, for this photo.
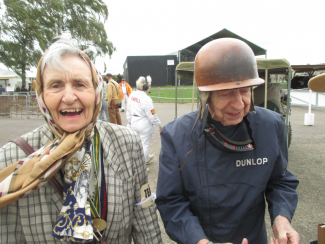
<point x="159" y="94"/>
<point x="182" y="94"/>
<point x="27" y="105"/>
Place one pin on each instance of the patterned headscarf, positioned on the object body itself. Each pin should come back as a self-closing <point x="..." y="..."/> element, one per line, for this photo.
<point x="39" y="167"/>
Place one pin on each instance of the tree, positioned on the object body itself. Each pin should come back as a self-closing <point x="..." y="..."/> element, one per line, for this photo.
<point x="28" y="27"/>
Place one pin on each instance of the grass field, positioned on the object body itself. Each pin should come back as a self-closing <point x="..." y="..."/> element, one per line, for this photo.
<point x="184" y="93"/>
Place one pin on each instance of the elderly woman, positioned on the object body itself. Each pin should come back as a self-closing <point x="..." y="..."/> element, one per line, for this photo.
<point x="101" y="166"/>
<point x="141" y="114"/>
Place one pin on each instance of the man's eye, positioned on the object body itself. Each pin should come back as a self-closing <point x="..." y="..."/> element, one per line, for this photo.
<point x="80" y="85"/>
<point x="244" y="91"/>
<point x="55" y="86"/>
<point x="224" y="94"/>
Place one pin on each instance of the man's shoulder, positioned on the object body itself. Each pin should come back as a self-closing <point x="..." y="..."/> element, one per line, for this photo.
<point x="265" y="117"/>
<point x="266" y="114"/>
<point x="185" y="122"/>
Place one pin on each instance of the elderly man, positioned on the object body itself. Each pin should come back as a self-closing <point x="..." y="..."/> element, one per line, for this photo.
<point x="213" y="181"/>
<point x="111" y="97"/>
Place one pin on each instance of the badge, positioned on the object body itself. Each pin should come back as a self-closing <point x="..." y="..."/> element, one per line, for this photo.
<point x="99" y="224"/>
<point x="146" y="198"/>
<point x="153" y="112"/>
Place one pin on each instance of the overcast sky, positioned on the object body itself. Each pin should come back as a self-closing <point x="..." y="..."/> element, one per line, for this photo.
<point x="291" y="29"/>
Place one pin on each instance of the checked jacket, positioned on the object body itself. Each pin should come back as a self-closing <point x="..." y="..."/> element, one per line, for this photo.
<point x="31" y="219"/>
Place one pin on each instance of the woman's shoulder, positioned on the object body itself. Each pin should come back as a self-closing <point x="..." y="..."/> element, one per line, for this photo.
<point x="114" y="132"/>
<point x="11" y="152"/>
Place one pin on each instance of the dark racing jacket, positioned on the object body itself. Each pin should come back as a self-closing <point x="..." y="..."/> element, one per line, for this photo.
<point x="219" y="195"/>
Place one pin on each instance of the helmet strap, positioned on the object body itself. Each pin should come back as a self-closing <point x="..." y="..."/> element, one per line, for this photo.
<point x="252" y="101"/>
<point x="220" y="141"/>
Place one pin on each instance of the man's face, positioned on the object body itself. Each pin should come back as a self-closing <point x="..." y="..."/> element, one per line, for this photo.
<point x="230" y="106"/>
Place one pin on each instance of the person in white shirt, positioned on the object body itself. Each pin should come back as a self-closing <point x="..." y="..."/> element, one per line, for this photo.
<point x="141" y="114"/>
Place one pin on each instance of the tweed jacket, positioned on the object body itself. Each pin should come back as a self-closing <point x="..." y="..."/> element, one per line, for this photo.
<point x="112" y="91"/>
<point x="31" y="219"/>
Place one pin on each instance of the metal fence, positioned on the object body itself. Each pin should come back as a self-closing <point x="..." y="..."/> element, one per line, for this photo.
<point x="302" y="97"/>
<point x="24" y="104"/>
<point x="18" y="105"/>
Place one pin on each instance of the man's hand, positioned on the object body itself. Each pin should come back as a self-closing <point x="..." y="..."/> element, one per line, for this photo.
<point x="283" y="232"/>
<point x="109" y="105"/>
<point x="160" y="128"/>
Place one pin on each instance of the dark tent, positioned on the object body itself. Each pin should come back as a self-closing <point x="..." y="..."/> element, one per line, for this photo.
<point x="192" y="50"/>
<point x="163" y="74"/>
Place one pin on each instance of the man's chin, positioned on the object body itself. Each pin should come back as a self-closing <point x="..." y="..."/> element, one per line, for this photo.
<point x="231" y="122"/>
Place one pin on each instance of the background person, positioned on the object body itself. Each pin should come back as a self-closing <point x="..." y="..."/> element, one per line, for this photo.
<point x="111" y="97"/>
<point x="141" y="114"/>
<point x="126" y="91"/>
<point x="104" y="111"/>
<point x="238" y="160"/>
<point x="69" y="93"/>
<point x="2" y="90"/>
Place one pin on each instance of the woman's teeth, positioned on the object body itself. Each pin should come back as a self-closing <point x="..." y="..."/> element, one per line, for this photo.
<point x="71" y="112"/>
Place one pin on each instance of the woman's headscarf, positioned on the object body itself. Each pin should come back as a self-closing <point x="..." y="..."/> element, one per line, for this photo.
<point x="39" y="167"/>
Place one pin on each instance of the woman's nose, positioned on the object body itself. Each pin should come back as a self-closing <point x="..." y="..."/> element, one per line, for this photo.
<point x="69" y="95"/>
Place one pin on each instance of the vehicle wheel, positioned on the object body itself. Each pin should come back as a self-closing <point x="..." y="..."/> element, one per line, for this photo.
<point x="289" y="135"/>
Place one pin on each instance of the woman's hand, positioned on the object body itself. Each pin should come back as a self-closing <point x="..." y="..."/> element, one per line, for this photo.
<point x="205" y="241"/>
<point x="283" y="232"/>
<point x="160" y="128"/>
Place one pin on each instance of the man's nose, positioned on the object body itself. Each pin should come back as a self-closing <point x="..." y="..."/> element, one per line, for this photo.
<point x="69" y="95"/>
<point x="237" y="100"/>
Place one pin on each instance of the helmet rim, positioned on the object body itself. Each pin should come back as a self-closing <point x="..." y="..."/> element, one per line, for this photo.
<point x="232" y="85"/>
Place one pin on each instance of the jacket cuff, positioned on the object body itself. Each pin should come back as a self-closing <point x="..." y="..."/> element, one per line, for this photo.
<point x="195" y="236"/>
<point x="283" y="212"/>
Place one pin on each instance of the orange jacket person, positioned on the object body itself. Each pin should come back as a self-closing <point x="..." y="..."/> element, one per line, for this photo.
<point x="125" y="91"/>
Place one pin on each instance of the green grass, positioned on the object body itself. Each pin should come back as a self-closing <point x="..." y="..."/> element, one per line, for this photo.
<point x="284" y="85"/>
<point x="169" y="95"/>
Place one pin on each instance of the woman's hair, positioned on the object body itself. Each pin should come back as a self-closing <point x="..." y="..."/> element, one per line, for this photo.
<point x="53" y="55"/>
<point x="142" y="81"/>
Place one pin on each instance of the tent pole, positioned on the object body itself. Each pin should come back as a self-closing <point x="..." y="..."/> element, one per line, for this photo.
<point x="175" y="94"/>
<point x="288" y="97"/>
<point x="193" y="95"/>
<point x="265" y="91"/>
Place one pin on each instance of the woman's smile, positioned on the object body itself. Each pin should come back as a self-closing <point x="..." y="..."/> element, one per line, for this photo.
<point x="67" y="113"/>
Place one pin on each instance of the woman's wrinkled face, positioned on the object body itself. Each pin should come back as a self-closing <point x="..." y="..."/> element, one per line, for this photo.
<point x="70" y="95"/>
<point x="230" y="106"/>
